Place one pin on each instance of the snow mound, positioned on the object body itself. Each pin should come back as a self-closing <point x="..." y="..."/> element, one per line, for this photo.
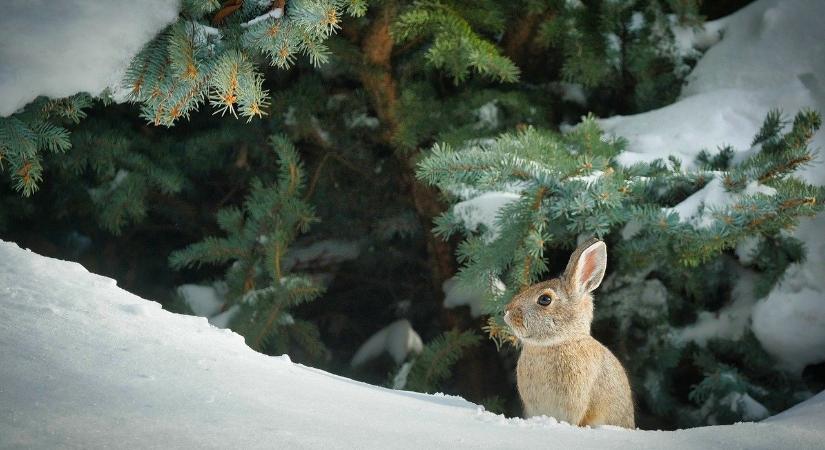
<point x="771" y="55"/>
<point x="89" y="365"/>
<point x="60" y="48"/>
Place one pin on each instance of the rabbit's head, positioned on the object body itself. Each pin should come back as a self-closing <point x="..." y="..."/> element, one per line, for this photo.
<point x="560" y="309"/>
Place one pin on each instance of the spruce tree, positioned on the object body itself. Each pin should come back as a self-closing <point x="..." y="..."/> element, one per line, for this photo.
<point x="258" y="237"/>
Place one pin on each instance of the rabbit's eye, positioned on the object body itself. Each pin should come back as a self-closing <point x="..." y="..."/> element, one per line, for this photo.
<point x="544" y="300"/>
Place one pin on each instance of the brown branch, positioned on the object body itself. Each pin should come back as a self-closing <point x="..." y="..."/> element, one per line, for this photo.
<point x="315" y="176"/>
<point x="528" y="260"/>
<point x="277" y="261"/>
<point x="784" y="168"/>
<point x="784" y="206"/>
<point x="229" y="7"/>
<point x="376" y="74"/>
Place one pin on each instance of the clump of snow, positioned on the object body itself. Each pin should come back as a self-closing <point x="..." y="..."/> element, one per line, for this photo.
<point x="589" y="178"/>
<point x="398" y="339"/>
<point x="483" y="210"/>
<point x="631" y="229"/>
<point x="275" y="13"/>
<point x="690" y="40"/>
<point x="203" y="300"/>
<point x="399" y="381"/>
<point x="321" y="253"/>
<point x="487" y="116"/>
<point x="728" y="323"/>
<point x="770" y="56"/>
<point x="570" y="92"/>
<point x="60" y="48"/>
<point x="574" y="93"/>
<point x="223" y="319"/>
<point x="637" y="21"/>
<point x="458" y="294"/>
<point x="699" y="207"/>
<point x="746" y="406"/>
<point x="362" y="120"/>
<point x="695" y="209"/>
<point x="209" y="301"/>
<point x="746" y="249"/>
<point x="88" y="365"/>
<point x="790" y="321"/>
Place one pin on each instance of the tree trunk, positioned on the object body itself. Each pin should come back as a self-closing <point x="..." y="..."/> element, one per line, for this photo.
<point x="377" y="77"/>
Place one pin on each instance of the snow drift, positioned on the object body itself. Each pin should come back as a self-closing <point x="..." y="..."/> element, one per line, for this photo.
<point x="86" y="364"/>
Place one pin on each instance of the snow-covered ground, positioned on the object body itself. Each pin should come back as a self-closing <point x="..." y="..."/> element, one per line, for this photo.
<point x="85" y="364"/>
<point x="771" y="55"/>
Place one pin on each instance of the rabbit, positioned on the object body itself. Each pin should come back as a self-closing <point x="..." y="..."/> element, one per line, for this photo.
<point x="562" y="371"/>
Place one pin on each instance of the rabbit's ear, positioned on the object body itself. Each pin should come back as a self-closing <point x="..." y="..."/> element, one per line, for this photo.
<point x="586" y="268"/>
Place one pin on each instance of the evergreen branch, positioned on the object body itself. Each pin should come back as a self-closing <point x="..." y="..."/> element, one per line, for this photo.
<point x="437" y="358"/>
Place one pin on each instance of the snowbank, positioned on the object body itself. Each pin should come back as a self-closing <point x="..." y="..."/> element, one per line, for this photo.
<point x="88" y="365"/>
<point x="772" y="55"/>
<point x="60" y="48"/>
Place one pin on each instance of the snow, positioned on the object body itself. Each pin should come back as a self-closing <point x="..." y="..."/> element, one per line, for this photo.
<point x="88" y="365"/>
<point x="398" y="339"/>
<point x="573" y="92"/>
<point x="60" y="48"/>
<point x="487" y="116"/>
<point x="362" y="120"/>
<point x="790" y="321"/>
<point x="275" y="13"/>
<point x="728" y="323"/>
<point x="209" y="301"/>
<point x="459" y="294"/>
<point x="779" y="56"/>
<point x="699" y="207"/>
<point x="689" y="40"/>
<point x="223" y="319"/>
<point x="483" y="210"/>
<point x="637" y="21"/>
<point x="588" y="179"/>
<point x="204" y="301"/>
<point x="321" y="253"/>
<point x="747" y="406"/>
<point x="771" y="55"/>
<point x="746" y="249"/>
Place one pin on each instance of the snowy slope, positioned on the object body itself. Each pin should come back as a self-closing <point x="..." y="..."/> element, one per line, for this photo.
<point x="84" y="364"/>
<point x="771" y="55"/>
<point x="60" y="48"/>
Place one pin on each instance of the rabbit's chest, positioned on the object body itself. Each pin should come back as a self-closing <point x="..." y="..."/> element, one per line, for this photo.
<point x="551" y="381"/>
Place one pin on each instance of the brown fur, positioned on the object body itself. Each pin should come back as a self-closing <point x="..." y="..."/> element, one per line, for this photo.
<point x="562" y="371"/>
